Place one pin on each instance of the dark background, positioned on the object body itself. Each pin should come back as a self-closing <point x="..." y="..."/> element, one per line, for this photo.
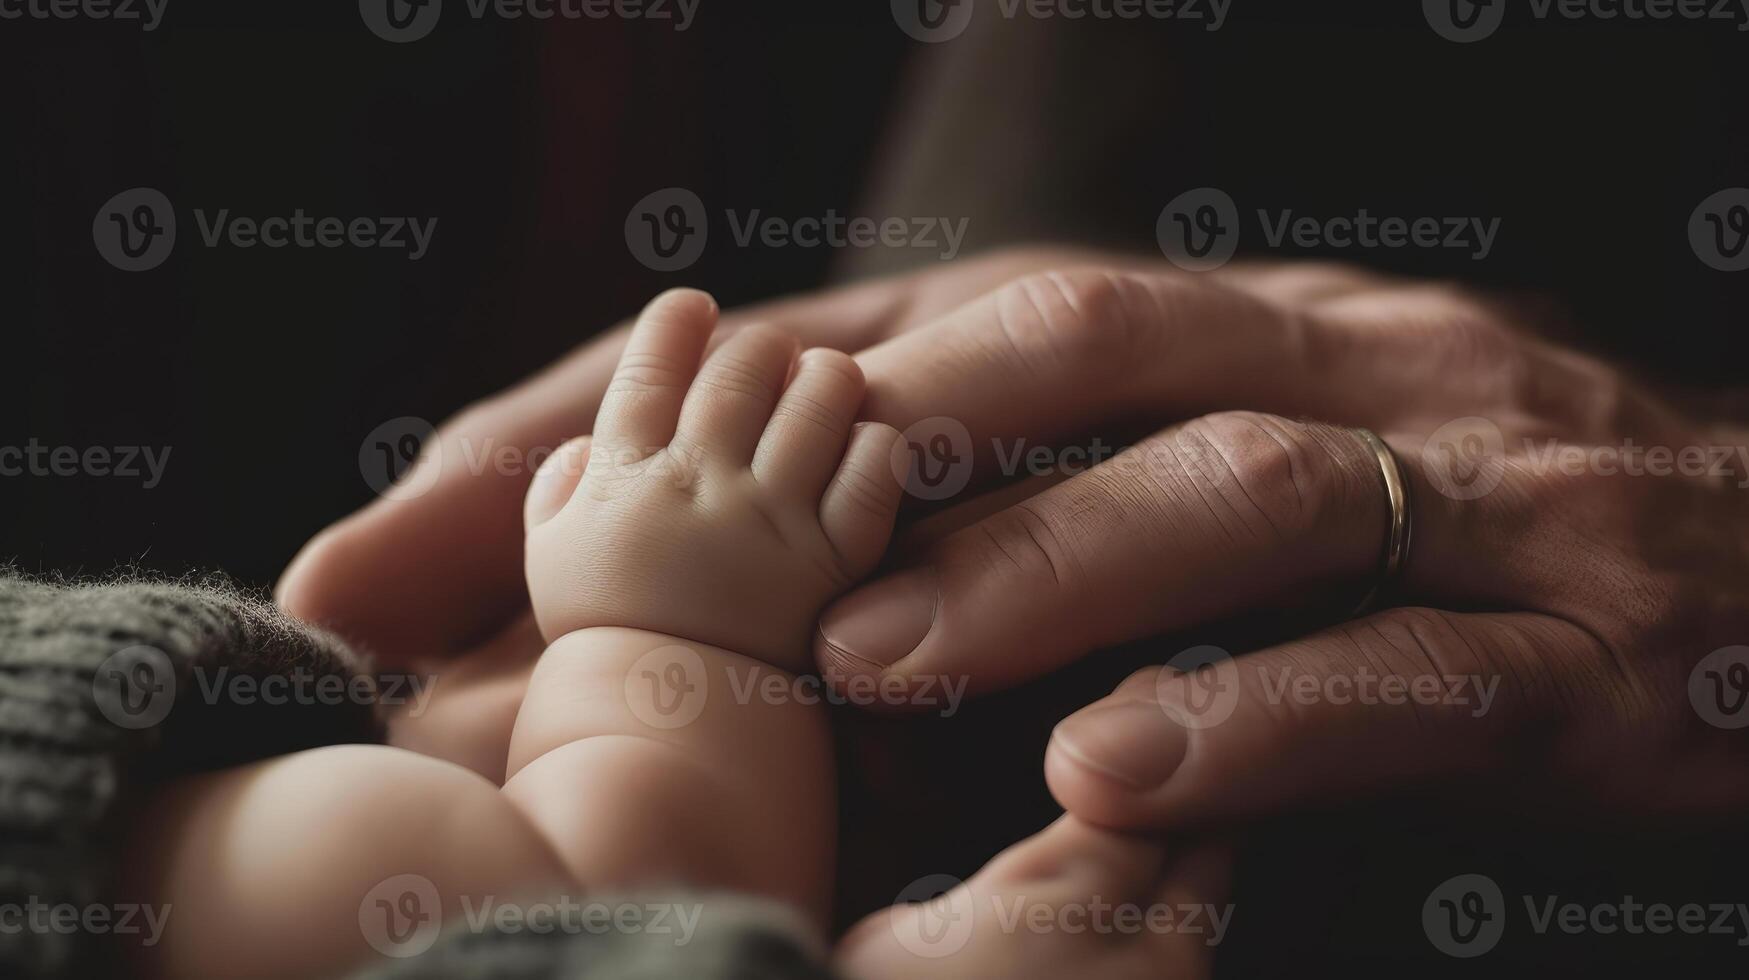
<point x="262" y="370"/>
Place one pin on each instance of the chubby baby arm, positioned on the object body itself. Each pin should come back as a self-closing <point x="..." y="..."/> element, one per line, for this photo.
<point x="677" y="561"/>
<point x="647" y="760"/>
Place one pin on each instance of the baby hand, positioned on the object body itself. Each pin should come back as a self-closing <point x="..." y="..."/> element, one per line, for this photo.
<point x="724" y="504"/>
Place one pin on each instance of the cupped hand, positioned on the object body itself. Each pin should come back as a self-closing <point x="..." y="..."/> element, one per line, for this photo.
<point x="1577" y="583"/>
<point x="432" y="575"/>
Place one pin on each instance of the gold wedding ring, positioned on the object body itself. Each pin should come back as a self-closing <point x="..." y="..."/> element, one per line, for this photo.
<point x="1397" y="543"/>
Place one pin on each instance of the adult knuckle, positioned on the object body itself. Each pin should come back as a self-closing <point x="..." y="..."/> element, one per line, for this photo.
<point x="1279" y="477"/>
<point x="1082" y="319"/>
<point x="1026" y="540"/>
<point x="1598" y="397"/>
<point x="1415" y="641"/>
<point x="1473" y="338"/>
<point x="1479" y="344"/>
<point x="1428" y="650"/>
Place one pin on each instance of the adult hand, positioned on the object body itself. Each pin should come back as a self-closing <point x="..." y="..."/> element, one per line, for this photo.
<point x="1071" y="900"/>
<point x="436" y="575"/>
<point x="434" y="581"/>
<point x="1577" y="600"/>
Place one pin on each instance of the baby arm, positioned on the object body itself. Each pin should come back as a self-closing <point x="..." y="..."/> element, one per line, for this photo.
<point x="647" y="760"/>
<point x="719" y="508"/>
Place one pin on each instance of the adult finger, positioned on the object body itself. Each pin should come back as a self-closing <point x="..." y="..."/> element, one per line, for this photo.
<point x="1228" y="513"/>
<point x="1404" y="693"/>
<point x="1064" y="353"/>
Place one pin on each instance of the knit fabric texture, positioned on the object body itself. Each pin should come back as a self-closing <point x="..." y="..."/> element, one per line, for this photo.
<point x="105" y="687"/>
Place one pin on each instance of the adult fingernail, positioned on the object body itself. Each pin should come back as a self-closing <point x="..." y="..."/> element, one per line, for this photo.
<point x="875" y="627"/>
<point x="1129" y="740"/>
